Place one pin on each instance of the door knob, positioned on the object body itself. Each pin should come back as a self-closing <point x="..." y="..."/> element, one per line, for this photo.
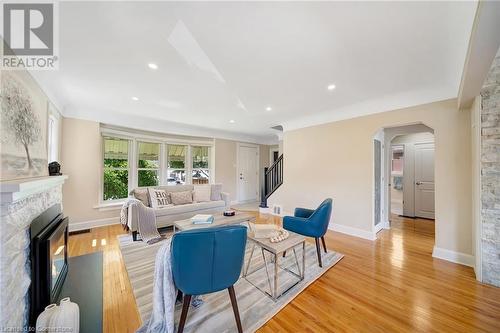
<point x="419" y="183"/>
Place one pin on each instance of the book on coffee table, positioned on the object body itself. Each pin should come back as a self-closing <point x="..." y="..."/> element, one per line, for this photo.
<point x="202" y="219"/>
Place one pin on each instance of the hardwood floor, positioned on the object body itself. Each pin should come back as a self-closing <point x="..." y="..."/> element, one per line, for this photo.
<point x="390" y="285"/>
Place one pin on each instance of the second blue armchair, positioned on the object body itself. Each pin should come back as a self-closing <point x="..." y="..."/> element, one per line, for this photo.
<point x="311" y="223"/>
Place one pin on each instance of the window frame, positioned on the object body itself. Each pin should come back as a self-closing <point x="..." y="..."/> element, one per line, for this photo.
<point x="136" y="162"/>
<point x="209" y="169"/>
<point x="103" y="168"/>
<point x="186" y="166"/>
<point x="134" y="139"/>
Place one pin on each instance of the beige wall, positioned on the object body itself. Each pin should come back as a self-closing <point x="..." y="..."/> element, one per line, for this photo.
<point x="225" y="166"/>
<point x="336" y="160"/>
<point x="413" y="138"/>
<point x="81" y="161"/>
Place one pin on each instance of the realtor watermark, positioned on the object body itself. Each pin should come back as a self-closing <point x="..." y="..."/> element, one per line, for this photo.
<point x="30" y="35"/>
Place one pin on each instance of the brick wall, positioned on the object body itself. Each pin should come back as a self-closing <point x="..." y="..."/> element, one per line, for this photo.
<point x="490" y="175"/>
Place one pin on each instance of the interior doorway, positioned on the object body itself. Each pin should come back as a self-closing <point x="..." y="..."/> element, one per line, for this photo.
<point x="412" y="175"/>
<point x="403" y="187"/>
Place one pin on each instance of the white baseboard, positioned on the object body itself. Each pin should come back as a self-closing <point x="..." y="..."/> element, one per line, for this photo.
<point x="378" y="227"/>
<point x="456" y="257"/>
<point x="387" y="225"/>
<point x="352" y="231"/>
<point x="93" y="224"/>
<point x="265" y="210"/>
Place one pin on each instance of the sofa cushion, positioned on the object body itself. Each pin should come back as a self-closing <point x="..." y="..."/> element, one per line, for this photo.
<point x="176" y="188"/>
<point x="158" y="198"/>
<point x="142" y="195"/>
<point x="193" y="207"/>
<point x="201" y="193"/>
<point x="215" y="192"/>
<point x="181" y="198"/>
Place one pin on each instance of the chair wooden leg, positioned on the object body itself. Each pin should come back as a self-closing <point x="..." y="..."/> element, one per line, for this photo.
<point x="284" y="254"/>
<point x="318" y="250"/>
<point x="185" y="308"/>
<point x="324" y="244"/>
<point x="235" y="308"/>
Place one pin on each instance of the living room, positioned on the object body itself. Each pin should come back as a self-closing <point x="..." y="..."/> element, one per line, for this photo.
<point x="250" y="166"/>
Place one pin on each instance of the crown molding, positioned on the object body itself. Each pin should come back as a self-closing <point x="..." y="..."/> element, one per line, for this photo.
<point x="162" y="126"/>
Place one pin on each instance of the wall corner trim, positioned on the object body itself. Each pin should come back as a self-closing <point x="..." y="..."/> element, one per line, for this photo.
<point x="93" y="223"/>
<point x="352" y="231"/>
<point x="456" y="257"/>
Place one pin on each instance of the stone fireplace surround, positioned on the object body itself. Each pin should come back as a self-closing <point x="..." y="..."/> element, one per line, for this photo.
<point x="21" y="202"/>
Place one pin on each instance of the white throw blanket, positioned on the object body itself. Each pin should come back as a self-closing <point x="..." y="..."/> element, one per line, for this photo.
<point x="164" y="294"/>
<point x="146" y="220"/>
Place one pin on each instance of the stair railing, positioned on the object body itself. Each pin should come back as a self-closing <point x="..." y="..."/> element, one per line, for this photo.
<point x="272" y="179"/>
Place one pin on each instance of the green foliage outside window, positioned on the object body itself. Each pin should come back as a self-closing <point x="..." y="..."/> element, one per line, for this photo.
<point x="115" y="180"/>
<point x="147" y="177"/>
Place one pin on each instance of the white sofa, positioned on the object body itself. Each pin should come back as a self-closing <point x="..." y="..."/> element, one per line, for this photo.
<point x="167" y="216"/>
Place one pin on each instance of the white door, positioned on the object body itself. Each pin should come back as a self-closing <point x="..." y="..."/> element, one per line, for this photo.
<point x="424" y="180"/>
<point x="248" y="173"/>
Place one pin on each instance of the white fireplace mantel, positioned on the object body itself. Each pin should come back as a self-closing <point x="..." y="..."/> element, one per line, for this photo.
<point x="15" y="190"/>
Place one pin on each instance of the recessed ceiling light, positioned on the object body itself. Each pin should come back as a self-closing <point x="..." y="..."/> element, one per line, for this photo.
<point x="331" y="87"/>
<point x="232" y="121"/>
<point x="269" y="108"/>
<point x="135" y="98"/>
<point x="153" y="66"/>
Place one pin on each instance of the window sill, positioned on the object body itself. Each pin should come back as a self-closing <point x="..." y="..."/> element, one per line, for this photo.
<point x="115" y="205"/>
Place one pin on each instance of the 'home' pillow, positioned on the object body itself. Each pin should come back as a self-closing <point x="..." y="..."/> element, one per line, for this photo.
<point x="181" y="198"/>
<point x="158" y="198"/>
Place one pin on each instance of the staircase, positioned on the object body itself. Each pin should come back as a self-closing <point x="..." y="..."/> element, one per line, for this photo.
<point x="273" y="178"/>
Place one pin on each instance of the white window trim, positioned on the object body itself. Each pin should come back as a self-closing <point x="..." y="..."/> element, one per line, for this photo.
<point x="107" y="203"/>
<point x="134" y="139"/>
<point x="136" y="165"/>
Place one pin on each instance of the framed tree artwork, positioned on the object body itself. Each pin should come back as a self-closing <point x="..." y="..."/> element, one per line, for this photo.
<point x="23" y="121"/>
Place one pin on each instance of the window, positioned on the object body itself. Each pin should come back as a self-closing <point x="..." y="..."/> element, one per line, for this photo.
<point x="176" y="164"/>
<point x="116" y="168"/>
<point x="53" y="135"/>
<point x="148" y="164"/>
<point x="131" y="160"/>
<point x="200" y="156"/>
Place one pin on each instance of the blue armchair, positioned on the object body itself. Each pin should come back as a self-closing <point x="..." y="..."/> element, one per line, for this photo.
<point x="208" y="260"/>
<point x="311" y="223"/>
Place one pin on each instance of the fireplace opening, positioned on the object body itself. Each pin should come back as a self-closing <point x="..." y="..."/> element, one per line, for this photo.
<point x="49" y="259"/>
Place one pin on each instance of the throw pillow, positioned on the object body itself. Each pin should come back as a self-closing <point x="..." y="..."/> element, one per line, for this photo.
<point x="181" y="198"/>
<point x="158" y="198"/>
<point x="215" y="192"/>
<point x="201" y="193"/>
<point x="142" y="195"/>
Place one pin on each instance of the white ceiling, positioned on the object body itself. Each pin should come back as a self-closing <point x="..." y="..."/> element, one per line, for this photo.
<point x="230" y="60"/>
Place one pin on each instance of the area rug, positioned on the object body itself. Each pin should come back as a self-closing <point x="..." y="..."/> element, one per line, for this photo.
<point x="216" y="314"/>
